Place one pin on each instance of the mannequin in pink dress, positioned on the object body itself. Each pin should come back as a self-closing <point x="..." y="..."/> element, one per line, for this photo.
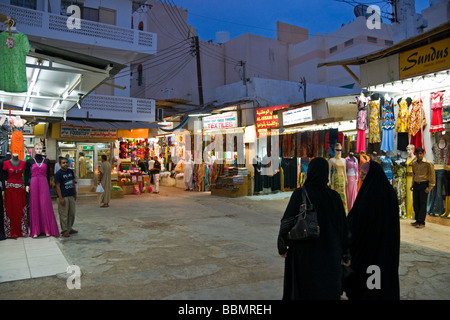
<point x="42" y="216"/>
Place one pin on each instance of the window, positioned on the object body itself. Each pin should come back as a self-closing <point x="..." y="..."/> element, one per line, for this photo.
<point x="91" y="14"/>
<point x="348" y="43"/>
<point x="30" y="4"/>
<point x="67" y="3"/>
<point x="333" y="49"/>
<point x="372" y="39"/>
<point x="388" y="42"/>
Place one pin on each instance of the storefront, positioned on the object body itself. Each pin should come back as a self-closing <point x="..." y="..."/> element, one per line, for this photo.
<point x="406" y="101"/>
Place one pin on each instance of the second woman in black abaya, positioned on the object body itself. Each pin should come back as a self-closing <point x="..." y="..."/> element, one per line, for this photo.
<point x="313" y="268"/>
<point x="375" y="239"/>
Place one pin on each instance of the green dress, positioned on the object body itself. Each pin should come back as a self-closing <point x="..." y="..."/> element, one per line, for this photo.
<point x="399" y="184"/>
<point x="13" y="52"/>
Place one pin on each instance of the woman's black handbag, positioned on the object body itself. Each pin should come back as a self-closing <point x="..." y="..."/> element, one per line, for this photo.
<point x="306" y="223"/>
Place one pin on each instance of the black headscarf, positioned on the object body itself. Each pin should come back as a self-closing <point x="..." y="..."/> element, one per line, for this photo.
<point x="313" y="268"/>
<point x="317" y="173"/>
<point x="375" y="237"/>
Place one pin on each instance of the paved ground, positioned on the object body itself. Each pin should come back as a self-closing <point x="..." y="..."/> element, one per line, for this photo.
<point x="181" y="245"/>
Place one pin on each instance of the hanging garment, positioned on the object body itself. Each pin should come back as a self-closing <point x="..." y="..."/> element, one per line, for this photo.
<point x="361" y="124"/>
<point x="399" y="184"/>
<point x="15" y="202"/>
<point x="4" y="142"/>
<point x="416" y="123"/>
<point x="435" y="201"/>
<point x="386" y="164"/>
<point x="352" y="181"/>
<point x="440" y="155"/>
<point x="409" y="193"/>
<point x="402" y="117"/>
<point x="17" y="143"/>
<point x="362" y="159"/>
<point x="374" y="121"/>
<point x="436" y="108"/>
<point x="13" y="52"/>
<point x="42" y="216"/>
<point x="258" y="177"/>
<point x="388" y="125"/>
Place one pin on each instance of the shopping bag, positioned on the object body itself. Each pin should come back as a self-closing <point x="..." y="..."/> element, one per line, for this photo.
<point x="100" y="188"/>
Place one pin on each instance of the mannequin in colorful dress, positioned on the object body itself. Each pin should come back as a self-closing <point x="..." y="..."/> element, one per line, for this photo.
<point x="352" y="179"/>
<point x="436" y="124"/>
<point x="402" y="123"/>
<point x="409" y="176"/>
<point x="338" y="174"/>
<point x="417" y="123"/>
<point x="17" y="144"/>
<point x="361" y="123"/>
<point x="435" y="203"/>
<point x="386" y="164"/>
<point x="15" y="200"/>
<point x="388" y="124"/>
<point x="399" y="184"/>
<point x="42" y="216"/>
<point x="374" y="123"/>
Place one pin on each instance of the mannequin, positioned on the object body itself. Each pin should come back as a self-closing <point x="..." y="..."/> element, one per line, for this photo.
<point x="15" y="206"/>
<point x="352" y="179"/>
<point x="337" y="174"/>
<point x="435" y="203"/>
<point x="409" y="176"/>
<point x="386" y="164"/>
<point x="374" y="123"/>
<point x="399" y="184"/>
<point x="37" y="174"/>
<point x="188" y="173"/>
<point x="361" y="123"/>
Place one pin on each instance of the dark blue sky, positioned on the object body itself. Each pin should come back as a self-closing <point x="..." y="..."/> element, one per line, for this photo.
<point x="260" y="16"/>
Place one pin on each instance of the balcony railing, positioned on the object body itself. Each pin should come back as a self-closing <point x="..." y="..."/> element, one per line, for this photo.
<point x="114" y="108"/>
<point x="52" y="26"/>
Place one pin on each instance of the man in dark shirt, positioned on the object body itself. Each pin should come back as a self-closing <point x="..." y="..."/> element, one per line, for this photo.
<point x="65" y="188"/>
<point x="156" y="170"/>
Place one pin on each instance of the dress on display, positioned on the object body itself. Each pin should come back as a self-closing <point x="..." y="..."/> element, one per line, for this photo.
<point x="361" y="124"/>
<point x="4" y="142"/>
<point x="388" y="125"/>
<point x="352" y="180"/>
<point x="338" y="172"/>
<point x="436" y="107"/>
<point x="399" y="184"/>
<point x="17" y="144"/>
<point x="42" y="216"/>
<point x="15" y="201"/>
<point x="402" y="124"/>
<point x="416" y="123"/>
<point x="435" y="203"/>
<point x="374" y="121"/>
<point x="409" y="193"/>
<point x="386" y="164"/>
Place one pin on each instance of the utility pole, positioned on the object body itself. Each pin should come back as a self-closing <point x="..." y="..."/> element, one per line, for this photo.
<point x="244" y="76"/>
<point x="199" y="71"/>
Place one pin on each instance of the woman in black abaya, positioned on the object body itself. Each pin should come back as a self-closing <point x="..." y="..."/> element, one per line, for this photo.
<point x="374" y="239"/>
<point x="313" y="267"/>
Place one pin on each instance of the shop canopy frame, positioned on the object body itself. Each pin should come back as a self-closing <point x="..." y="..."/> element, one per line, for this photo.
<point x="440" y="32"/>
<point x="58" y="80"/>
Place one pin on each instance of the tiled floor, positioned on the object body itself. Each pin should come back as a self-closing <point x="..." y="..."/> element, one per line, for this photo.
<point x="25" y="258"/>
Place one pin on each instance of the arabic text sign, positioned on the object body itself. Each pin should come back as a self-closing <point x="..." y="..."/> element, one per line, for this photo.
<point x="265" y="119"/>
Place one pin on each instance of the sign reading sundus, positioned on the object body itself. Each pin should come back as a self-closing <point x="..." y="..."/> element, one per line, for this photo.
<point x="426" y="59"/>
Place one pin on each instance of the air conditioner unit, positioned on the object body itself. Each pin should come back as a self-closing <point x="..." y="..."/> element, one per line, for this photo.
<point x="160" y="115"/>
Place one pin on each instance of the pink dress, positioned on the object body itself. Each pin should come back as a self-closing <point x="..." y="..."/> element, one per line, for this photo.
<point x="361" y="124"/>
<point x="436" y="117"/>
<point x="42" y="216"/>
<point x="351" y="190"/>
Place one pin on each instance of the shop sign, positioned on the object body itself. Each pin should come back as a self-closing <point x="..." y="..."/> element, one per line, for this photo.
<point x="88" y="148"/>
<point x="265" y="119"/>
<point x="298" y="115"/>
<point x="225" y="120"/>
<point x="425" y="59"/>
<point x="68" y="131"/>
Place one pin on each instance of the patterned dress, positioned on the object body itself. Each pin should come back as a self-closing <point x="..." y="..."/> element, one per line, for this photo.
<point x="402" y="125"/>
<point x="338" y="169"/>
<point x="436" y="108"/>
<point x="13" y="52"/>
<point x="399" y="185"/>
<point x="416" y="123"/>
<point x="388" y="125"/>
<point x="409" y="193"/>
<point x="361" y="124"/>
<point x="374" y="121"/>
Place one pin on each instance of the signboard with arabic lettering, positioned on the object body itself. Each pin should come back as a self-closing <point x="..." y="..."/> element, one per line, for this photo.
<point x="265" y="119"/>
<point x="69" y="131"/>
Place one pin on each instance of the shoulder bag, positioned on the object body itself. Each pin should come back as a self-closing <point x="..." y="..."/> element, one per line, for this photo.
<point x="306" y="224"/>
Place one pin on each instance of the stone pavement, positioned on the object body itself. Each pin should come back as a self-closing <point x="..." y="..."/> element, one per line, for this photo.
<point x="179" y="245"/>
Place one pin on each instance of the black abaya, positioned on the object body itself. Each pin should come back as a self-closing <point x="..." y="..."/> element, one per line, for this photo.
<point x="313" y="268"/>
<point x="375" y="238"/>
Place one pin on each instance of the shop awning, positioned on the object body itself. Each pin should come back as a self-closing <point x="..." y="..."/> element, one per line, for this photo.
<point x="113" y="124"/>
<point x="57" y="80"/>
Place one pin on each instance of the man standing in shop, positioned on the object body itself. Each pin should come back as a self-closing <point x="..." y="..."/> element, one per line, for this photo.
<point x="424" y="180"/>
<point x="66" y="191"/>
<point x="156" y="170"/>
<point x="104" y="177"/>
